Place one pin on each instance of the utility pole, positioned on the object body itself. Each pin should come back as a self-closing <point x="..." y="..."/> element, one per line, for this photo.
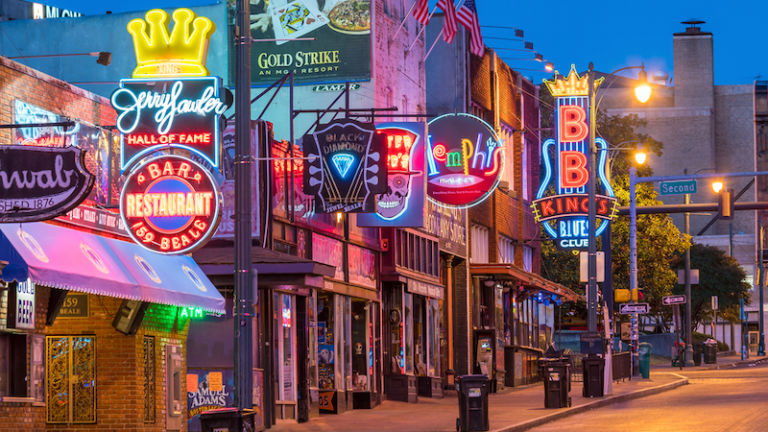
<point x="761" y="284"/>
<point x="592" y="211"/>
<point x="243" y="301"/>
<point x="688" y="299"/>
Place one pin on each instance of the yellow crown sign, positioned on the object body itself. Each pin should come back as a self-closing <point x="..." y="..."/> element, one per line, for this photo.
<point x="181" y="54"/>
<point x="572" y="85"/>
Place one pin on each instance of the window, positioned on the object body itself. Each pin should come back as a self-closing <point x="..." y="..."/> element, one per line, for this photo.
<point x="506" y="250"/>
<point x="71" y="379"/>
<point x="13" y="365"/>
<point x="506" y="135"/>
<point x="479" y="241"/>
<point x="527" y="258"/>
<point x="524" y="168"/>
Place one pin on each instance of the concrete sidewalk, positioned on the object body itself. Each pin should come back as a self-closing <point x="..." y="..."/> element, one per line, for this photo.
<point x="723" y="362"/>
<point x="510" y="410"/>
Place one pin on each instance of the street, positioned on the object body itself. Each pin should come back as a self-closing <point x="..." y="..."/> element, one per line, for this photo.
<point x="716" y="400"/>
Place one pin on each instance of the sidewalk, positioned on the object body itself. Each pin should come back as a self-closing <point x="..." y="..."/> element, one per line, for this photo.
<point x="723" y="362"/>
<point x="510" y="410"/>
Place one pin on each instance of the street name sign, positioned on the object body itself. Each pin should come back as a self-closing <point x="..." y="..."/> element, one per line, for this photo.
<point x="673" y="300"/>
<point x="630" y="308"/>
<point x="677" y="187"/>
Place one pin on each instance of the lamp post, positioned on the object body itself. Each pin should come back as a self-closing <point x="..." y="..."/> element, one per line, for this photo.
<point x="761" y="283"/>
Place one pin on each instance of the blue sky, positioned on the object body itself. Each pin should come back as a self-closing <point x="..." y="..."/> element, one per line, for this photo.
<point x="612" y="35"/>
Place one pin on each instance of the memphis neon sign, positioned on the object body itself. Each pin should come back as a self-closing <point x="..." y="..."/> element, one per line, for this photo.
<point x="465" y="160"/>
<point x="181" y="113"/>
<point x="562" y="202"/>
<point x="170" y="205"/>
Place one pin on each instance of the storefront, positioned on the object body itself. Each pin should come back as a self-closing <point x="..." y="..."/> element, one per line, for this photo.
<point x="513" y="321"/>
<point x="286" y="314"/>
<point x="71" y="314"/>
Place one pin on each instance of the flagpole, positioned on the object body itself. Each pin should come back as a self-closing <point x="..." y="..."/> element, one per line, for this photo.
<point x="404" y="18"/>
<point x="434" y="43"/>
<point x="422" y="29"/>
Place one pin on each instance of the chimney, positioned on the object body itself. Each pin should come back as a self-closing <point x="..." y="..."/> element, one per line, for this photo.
<point x="693" y="66"/>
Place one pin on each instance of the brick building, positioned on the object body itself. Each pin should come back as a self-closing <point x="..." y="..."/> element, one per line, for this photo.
<point x="83" y="358"/>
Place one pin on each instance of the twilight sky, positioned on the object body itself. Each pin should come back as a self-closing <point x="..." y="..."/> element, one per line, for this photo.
<point x="612" y="35"/>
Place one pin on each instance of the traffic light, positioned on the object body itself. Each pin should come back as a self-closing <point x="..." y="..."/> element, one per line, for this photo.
<point x="725" y="205"/>
<point x="620" y="295"/>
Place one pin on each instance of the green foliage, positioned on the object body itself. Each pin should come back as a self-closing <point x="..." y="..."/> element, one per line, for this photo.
<point x="719" y="275"/>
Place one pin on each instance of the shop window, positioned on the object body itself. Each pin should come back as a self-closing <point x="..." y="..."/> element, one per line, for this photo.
<point x="16" y="368"/>
<point x="71" y="379"/>
<point x="149" y="379"/>
<point x="433" y="328"/>
<point x="479" y="242"/>
<point x="325" y="341"/>
<point x="420" y="325"/>
<point x="284" y="316"/>
<point x="408" y="321"/>
<point x="396" y="351"/>
<point x="360" y="352"/>
<point x="528" y="258"/>
<point x="506" y="250"/>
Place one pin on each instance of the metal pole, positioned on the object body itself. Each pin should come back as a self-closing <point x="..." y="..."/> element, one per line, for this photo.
<point x="633" y="268"/>
<point x="688" y="299"/>
<point x="243" y="296"/>
<point x="592" y="211"/>
<point x="761" y="283"/>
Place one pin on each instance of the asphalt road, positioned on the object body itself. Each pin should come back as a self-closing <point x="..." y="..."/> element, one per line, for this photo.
<point x="731" y="400"/>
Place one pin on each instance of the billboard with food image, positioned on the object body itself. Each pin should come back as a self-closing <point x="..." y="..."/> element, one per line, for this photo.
<point x="340" y="51"/>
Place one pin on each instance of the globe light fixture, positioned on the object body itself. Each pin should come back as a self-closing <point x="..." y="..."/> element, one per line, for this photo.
<point x="640" y="157"/>
<point x="643" y="90"/>
<point x="717" y="186"/>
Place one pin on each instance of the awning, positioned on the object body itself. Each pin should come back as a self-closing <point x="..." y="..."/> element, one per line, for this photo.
<point x="273" y="268"/>
<point x="64" y="258"/>
<point x="512" y="272"/>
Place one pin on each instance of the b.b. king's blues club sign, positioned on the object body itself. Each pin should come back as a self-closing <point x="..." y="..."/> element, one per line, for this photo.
<point x="562" y="202"/>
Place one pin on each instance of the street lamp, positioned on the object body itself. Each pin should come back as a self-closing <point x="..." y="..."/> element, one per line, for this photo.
<point x="592" y="210"/>
<point x="643" y="90"/>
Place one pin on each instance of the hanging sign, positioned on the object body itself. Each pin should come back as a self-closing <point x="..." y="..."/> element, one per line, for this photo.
<point x="41" y="183"/>
<point x="465" y="160"/>
<point x="170" y="205"/>
<point x="184" y="113"/>
<point x="562" y="202"/>
<point x="403" y="203"/>
<point x="346" y="166"/>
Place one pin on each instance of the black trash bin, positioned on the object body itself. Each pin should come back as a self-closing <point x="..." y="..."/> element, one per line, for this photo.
<point x="710" y="352"/>
<point x="698" y="351"/>
<point x="556" y="374"/>
<point x="227" y="420"/>
<point x="473" y="403"/>
<point x="593" y="369"/>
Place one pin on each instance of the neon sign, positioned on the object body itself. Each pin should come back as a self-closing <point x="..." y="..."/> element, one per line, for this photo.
<point x="170" y="205"/>
<point x="465" y="160"/>
<point x="182" y="53"/>
<point x="562" y="203"/>
<point x="403" y="203"/>
<point x="182" y="113"/>
<point x="345" y="167"/>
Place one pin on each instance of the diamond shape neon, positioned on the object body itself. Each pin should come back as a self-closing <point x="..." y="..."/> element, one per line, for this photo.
<point x="343" y="162"/>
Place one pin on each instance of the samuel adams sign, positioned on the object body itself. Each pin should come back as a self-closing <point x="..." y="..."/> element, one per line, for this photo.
<point x="40" y="183"/>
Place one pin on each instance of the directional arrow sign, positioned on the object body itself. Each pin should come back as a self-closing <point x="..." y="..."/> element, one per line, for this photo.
<point x="672" y="300"/>
<point x="630" y="308"/>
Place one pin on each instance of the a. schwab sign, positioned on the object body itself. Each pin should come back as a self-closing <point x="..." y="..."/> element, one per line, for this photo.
<point x="40" y="183"/>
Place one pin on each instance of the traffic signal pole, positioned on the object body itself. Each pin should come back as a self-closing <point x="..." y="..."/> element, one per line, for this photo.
<point x="633" y="181"/>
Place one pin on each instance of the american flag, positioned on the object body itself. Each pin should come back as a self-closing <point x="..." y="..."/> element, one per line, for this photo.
<point x="421" y="11"/>
<point x="467" y="16"/>
<point x="449" y="27"/>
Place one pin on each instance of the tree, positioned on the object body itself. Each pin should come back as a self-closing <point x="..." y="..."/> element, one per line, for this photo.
<point x="658" y="239"/>
<point x="719" y="275"/>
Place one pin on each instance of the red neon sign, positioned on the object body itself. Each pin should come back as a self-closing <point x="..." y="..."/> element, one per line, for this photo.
<point x="170" y="205"/>
<point x="573" y="123"/>
<point x="573" y="169"/>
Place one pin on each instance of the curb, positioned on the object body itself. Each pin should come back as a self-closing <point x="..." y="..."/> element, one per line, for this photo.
<point x="737" y="363"/>
<point x="592" y="405"/>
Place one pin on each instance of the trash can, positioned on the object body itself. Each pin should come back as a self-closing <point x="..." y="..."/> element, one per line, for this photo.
<point x="644" y="354"/>
<point x="593" y="370"/>
<point x="473" y="403"/>
<point x="710" y="351"/>
<point x="227" y="420"/>
<point x="556" y="375"/>
<point x="698" y="351"/>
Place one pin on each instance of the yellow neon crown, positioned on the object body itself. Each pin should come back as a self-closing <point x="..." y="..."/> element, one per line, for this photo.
<point x="572" y="85"/>
<point x="180" y="54"/>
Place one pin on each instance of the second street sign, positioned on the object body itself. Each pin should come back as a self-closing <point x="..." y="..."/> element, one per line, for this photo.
<point x="677" y="187"/>
<point x="630" y="308"/>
